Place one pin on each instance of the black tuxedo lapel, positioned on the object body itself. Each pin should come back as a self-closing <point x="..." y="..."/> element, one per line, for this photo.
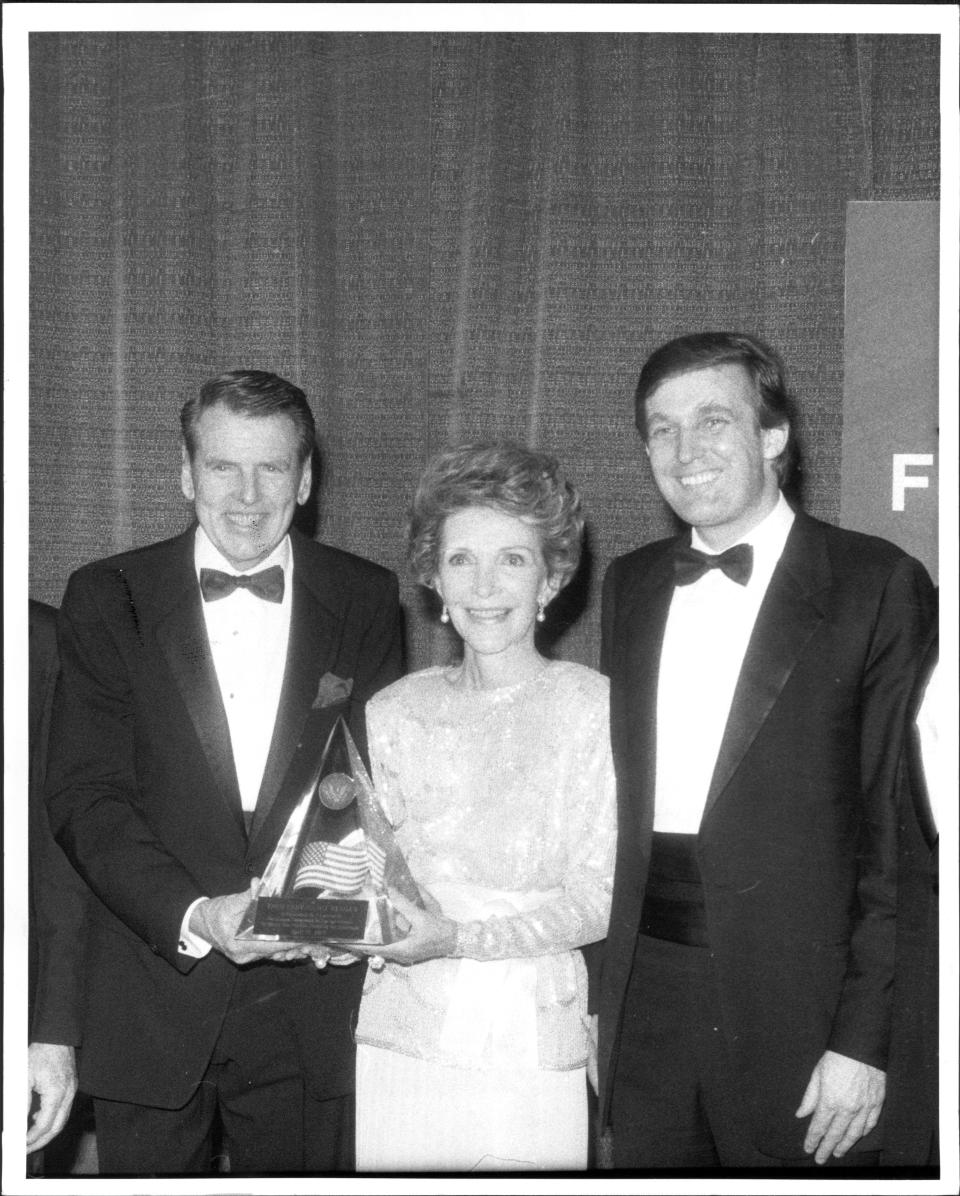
<point x="788" y="617"/>
<point x="182" y="636"/>
<point x="315" y="630"/>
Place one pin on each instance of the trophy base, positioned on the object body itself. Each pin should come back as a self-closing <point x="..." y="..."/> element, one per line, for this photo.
<point x="307" y="920"/>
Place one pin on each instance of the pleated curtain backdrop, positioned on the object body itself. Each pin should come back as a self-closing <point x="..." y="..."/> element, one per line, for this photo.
<point x="439" y="237"/>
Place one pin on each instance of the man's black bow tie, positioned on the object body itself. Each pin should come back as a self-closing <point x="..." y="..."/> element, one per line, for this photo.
<point x="690" y="564"/>
<point x="267" y="584"/>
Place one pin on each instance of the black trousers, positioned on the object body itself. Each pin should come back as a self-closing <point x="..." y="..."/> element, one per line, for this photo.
<point x="253" y="1111"/>
<point x="676" y="1102"/>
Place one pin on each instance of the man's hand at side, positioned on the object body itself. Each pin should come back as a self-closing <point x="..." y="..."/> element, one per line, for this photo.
<point x="217" y="920"/>
<point x="845" y="1098"/>
<point x="52" y="1076"/>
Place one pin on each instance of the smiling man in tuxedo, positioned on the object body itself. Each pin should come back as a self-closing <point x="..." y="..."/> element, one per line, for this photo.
<point x="760" y="667"/>
<point x="200" y="678"/>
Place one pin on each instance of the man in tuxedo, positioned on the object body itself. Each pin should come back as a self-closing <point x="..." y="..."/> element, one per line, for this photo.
<point x="201" y="677"/>
<point x="57" y="917"/>
<point x="760" y="666"/>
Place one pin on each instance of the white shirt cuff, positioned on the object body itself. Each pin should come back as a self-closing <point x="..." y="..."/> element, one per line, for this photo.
<point x="190" y="943"/>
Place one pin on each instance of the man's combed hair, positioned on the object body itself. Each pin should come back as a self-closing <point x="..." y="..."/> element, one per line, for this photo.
<point x="505" y="477"/>
<point x="255" y="394"/>
<point x="702" y="350"/>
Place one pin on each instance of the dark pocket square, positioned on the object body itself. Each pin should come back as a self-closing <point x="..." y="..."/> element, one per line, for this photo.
<point x="331" y="690"/>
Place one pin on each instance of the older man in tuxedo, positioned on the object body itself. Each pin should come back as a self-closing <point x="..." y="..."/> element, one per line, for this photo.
<point x="760" y="667"/>
<point x="200" y="676"/>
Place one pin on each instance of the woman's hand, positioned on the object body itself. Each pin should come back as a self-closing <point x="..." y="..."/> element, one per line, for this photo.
<point x="430" y="936"/>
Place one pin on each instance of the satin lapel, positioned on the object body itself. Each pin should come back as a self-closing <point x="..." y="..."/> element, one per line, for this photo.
<point x="182" y="636"/>
<point x="641" y="625"/>
<point x="790" y="614"/>
<point x="311" y="649"/>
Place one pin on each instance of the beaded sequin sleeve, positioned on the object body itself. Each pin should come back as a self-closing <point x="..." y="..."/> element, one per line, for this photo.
<point x="510" y="789"/>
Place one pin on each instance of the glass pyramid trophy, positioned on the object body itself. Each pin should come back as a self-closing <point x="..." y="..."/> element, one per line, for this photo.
<point x="329" y="875"/>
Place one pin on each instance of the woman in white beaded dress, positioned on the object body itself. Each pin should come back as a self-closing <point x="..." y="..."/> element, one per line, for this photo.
<point x="497" y="775"/>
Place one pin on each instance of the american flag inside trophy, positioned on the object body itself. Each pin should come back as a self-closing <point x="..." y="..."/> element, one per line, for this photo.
<point x="329" y="876"/>
<point x="340" y="867"/>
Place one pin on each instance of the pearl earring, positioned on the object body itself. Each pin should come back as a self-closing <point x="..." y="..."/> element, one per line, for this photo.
<point x="540" y="615"/>
<point x="444" y="614"/>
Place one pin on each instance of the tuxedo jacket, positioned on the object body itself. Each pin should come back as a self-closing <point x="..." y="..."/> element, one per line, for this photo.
<point x="58" y="897"/>
<point x="797" y="846"/>
<point x="143" y="797"/>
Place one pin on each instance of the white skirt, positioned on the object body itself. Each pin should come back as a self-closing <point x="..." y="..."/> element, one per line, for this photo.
<point x="413" y="1115"/>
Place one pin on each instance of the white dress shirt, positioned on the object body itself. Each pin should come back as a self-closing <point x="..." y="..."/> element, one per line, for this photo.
<point x="709" y="625"/>
<point x="933" y="752"/>
<point x="248" y="640"/>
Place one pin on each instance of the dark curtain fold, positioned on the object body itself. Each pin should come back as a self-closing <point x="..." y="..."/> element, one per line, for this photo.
<point x="438" y="236"/>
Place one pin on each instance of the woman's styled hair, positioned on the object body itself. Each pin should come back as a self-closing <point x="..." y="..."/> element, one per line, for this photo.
<point x="505" y="477"/>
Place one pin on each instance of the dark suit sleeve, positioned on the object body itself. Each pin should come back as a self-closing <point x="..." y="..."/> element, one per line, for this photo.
<point x="380" y="657"/>
<point x="58" y="897"/>
<point x="92" y="793"/>
<point x="910" y="1133"/>
<point x="608" y="602"/>
<point x="862" y="1021"/>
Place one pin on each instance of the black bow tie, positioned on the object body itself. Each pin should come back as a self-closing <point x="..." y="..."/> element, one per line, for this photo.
<point x="690" y="564"/>
<point x="267" y="584"/>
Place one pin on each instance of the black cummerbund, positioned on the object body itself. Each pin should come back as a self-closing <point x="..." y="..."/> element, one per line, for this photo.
<point x="673" y="902"/>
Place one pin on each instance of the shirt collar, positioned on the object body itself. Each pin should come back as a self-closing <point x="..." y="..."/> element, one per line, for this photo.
<point x="207" y="556"/>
